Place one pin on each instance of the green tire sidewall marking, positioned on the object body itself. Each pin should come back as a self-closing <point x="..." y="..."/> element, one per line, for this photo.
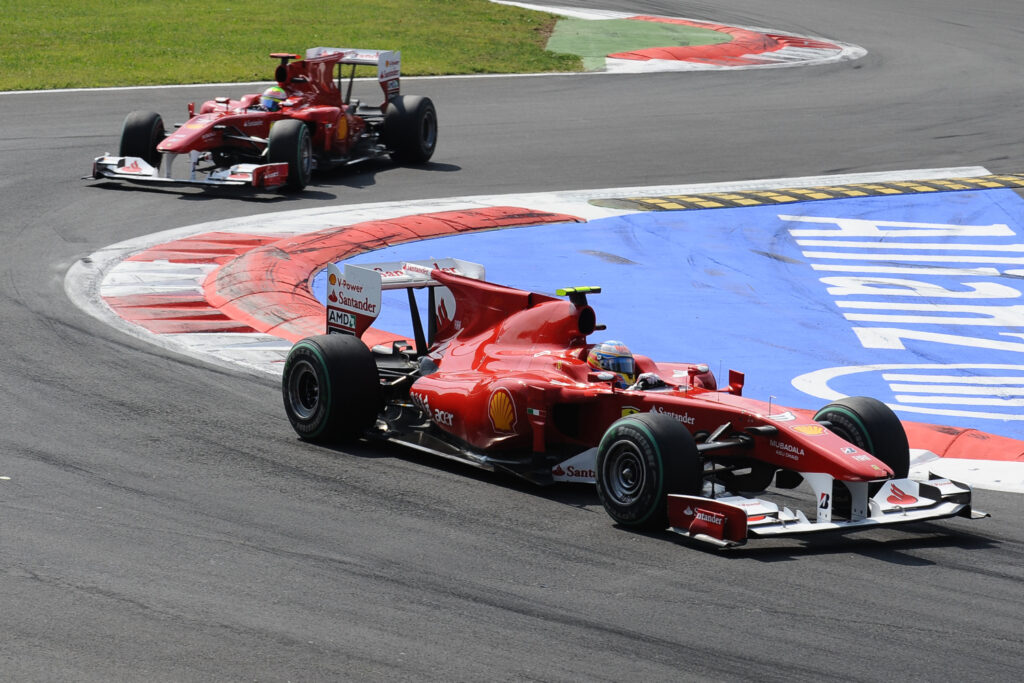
<point x="855" y="418"/>
<point x="326" y="392"/>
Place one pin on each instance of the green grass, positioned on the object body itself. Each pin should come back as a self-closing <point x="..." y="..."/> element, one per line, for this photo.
<point x="596" y="39"/>
<point x="90" y="43"/>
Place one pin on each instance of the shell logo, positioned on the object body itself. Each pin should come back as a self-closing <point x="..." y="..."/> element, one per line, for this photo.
<point x="809" y="430"/>
<point x="502" y="411"/>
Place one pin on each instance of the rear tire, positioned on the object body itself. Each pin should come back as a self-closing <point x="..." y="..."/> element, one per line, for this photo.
<point x="290" y="143"/>
<point x="641" y="459"/>
<point x="331" y="388"/>
<point x="870" y="425"/>
<point x="410" y="129"/>
<point x="141" y="133"/>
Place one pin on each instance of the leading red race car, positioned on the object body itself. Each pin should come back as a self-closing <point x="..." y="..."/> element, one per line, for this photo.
<point x="504" y="379"/>
<point x="316" y="124"/>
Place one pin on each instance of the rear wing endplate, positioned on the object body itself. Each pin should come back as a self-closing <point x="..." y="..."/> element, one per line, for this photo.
<point x="388" y="63"/>
<point x="354" y="292"/>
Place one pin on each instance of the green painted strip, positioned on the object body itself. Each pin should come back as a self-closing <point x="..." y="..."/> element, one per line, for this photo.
<point x="326" y="392"/>
<point x="595" y="40"/>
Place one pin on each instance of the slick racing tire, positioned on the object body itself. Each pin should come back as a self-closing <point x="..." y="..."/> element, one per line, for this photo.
<point x="410" y="129"/>
<point x="641" y="459"/>
<point x="290" y="143"/>
<point x="331" y="388"/>
<point x="141" y="133"/>
<point x="870" y="425"/>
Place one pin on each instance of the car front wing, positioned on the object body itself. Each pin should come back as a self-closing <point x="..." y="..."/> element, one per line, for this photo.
<point x="138" y="170"/>
<point x="731" y="520"/>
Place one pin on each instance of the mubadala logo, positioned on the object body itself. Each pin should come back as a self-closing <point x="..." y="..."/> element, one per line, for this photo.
<point x="786" y="450"/>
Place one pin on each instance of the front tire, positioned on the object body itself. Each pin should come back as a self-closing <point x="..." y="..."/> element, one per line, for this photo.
<point x="141" y="133"/>
<point x="331" y="388"/>
<point x="290" y="143"/>
<point x="870" y="425"/>
<point x="410" y="129"/>
<point x="641" y="459"/>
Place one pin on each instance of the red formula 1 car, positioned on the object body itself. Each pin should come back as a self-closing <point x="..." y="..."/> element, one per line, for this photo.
<point x="504" y="379"/>
<point x="316" y="125"/>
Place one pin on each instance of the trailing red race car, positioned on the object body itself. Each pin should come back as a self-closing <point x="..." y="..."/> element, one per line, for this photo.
<point x="504" y="379"/>
<point x="308" y="121"/>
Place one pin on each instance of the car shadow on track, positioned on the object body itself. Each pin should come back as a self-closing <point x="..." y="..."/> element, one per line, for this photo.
<point x="893" y="545"/>
<point x="320" y="189"/>
<point x="573" y="495"/>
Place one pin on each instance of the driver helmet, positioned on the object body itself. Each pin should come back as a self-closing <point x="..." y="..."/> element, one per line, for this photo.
<point x="272" y="98"/>
<point x="614" y="357"/>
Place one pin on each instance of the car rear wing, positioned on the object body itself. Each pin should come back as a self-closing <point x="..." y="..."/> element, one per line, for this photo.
<point x="388" y="63"/>
<point x="354" y="293"/>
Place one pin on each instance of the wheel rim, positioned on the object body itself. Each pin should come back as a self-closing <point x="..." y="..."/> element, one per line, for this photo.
<point x="624" y="473"/>
<point x="428" y="134"/>
<point x="303" y="390"/>
<point x="156" y="137"/>
<point x="306" y="156"/>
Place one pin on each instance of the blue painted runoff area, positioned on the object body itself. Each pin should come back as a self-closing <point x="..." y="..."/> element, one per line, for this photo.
<point x="913" y="299"/>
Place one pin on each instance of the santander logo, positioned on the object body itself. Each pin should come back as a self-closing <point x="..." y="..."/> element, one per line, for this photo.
<point x="573" y="472"/>
<point x="899" y="497"/>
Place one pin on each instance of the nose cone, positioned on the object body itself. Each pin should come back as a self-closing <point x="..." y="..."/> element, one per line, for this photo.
<point x="839" y="457"/>
<point x="192" y="135"/>
<point x="864" y="467"/>
<point x="180" y="141"/>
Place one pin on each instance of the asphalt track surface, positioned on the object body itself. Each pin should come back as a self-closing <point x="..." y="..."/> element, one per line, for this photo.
<point x="161" y="521"/>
